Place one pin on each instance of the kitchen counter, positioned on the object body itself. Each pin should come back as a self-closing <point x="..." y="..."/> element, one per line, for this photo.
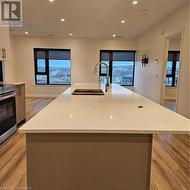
<point x="115" y="112"/>
<point x="16" y="83"/>
<point x="96" y="142"/>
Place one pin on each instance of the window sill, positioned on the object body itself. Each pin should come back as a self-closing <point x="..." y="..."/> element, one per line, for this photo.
<point x="171" y="86"/>
<point x="51" y="85"/>
<point x="127" y="85"/>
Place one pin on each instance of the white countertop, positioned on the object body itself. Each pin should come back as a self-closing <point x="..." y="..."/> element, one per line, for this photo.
<point x="16" y="83"/>
<point x="115" y="112"/>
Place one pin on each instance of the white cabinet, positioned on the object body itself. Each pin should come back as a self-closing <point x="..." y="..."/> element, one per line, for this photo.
<point x="4" y="43"/>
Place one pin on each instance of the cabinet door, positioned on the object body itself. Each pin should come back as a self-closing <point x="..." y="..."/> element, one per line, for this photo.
<point x="20" y="103"/>
<point x="4" y="43"/>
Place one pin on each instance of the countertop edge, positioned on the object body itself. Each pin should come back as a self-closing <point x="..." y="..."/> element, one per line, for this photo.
<point x="57" y="131"/>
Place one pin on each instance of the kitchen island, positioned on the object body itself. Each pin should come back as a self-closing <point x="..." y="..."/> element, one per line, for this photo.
<point x="96" y="142"/>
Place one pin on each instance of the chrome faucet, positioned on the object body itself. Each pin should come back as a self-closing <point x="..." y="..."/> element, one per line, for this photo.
<point x="107" y="73"/>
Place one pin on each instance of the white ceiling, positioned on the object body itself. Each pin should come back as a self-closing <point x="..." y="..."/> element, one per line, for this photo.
<point x="93" y="18"/>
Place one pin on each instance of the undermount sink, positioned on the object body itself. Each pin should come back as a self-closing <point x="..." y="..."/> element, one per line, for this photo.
<point x="98" y="92"/>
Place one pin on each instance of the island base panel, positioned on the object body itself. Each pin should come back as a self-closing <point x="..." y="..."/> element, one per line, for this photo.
<point x="89" y="161"/>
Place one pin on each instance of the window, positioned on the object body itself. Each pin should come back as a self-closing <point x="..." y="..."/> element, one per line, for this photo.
<point x="52" y="66"/>
<point x="172" y="70"/>
<point x="121" y="66"/>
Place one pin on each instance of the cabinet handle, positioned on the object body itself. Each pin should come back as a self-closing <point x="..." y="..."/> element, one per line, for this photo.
<point x="3" y="53"/>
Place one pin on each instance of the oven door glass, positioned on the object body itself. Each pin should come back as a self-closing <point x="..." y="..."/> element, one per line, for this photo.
<point x="7" y="114"/>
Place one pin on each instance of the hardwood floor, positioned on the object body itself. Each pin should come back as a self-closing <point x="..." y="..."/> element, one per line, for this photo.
<point x="170" y="104"/>
<point x="171" y="162"/>
<point x="170" y="159"/>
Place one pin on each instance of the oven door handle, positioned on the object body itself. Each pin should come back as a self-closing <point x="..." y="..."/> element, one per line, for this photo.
<point x="7" y="96"/>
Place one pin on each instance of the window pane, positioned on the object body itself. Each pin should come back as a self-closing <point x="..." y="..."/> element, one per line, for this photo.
<point x="178" y="56"/>
<point x="177" y="72"/>
<point x="170" y="56"/>
<point x="40" y="54"/>
<point x="41" y="79"/>
<point x="103" y="79"/>
<point x="41" y="65"/>
<point x="103" y="67"/>
<point x="105" y="56"/>
<point x="122" y="72"/>
<point x="59" y="54"/>
<point x="123" y="56"/>
<point x="169" y="81"/>
<point x="59" y="72"/>
<point x="169" y="68"/>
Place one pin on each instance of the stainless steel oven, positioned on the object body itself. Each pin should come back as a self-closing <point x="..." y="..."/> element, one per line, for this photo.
<point x="7" y="112"/>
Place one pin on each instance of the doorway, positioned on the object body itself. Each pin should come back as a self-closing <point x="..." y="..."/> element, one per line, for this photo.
<point x="171" y="72"/>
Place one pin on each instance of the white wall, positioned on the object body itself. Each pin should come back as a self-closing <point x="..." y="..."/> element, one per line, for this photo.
<point x="84" y="56"/>
<point x="10" y="72"/>
<point x="148" y="79"/>
<point x="174" y="44"/>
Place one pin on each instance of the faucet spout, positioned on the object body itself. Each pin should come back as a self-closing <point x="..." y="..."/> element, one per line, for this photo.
<point x="107" y="73"/>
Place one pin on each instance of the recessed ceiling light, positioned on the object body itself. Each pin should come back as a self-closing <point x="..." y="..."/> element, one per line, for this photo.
<point x="114" y="35"/>
<point x="70" y="34"/>
<point x="26" y="33"/>
<point x="123" y="21"/>
<point x="51" y="1"/>
<point x="144" y="11"/>
<point x="62" y="20"/>
<point x="135" y="2"/>
<point x="50" y="35"/>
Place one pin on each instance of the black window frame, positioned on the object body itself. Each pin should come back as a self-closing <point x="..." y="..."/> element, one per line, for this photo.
<point x="46" y="73"/>
<point x="175" y="59"/>
<point x="111" y="64"/>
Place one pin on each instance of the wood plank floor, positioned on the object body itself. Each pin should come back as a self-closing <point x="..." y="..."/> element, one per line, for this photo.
<point x="170" y="160"/>
<point x="170" y="104"/>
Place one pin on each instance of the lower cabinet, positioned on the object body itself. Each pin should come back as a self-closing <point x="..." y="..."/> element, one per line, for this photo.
<point x="20" y="103"/>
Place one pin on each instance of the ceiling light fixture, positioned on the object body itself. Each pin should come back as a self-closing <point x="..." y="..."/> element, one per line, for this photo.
<point x="114" y="35"/>
<point x="62" y="20"/>
<point x="50" y="35"/>
<point x="51" y="1"/>
<point x="26" y="33"/>
<point x="144" y="11"/>
<point x="123" y="21"/>
<point x="135" y="2"/>
<point x="70" y="34"/>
